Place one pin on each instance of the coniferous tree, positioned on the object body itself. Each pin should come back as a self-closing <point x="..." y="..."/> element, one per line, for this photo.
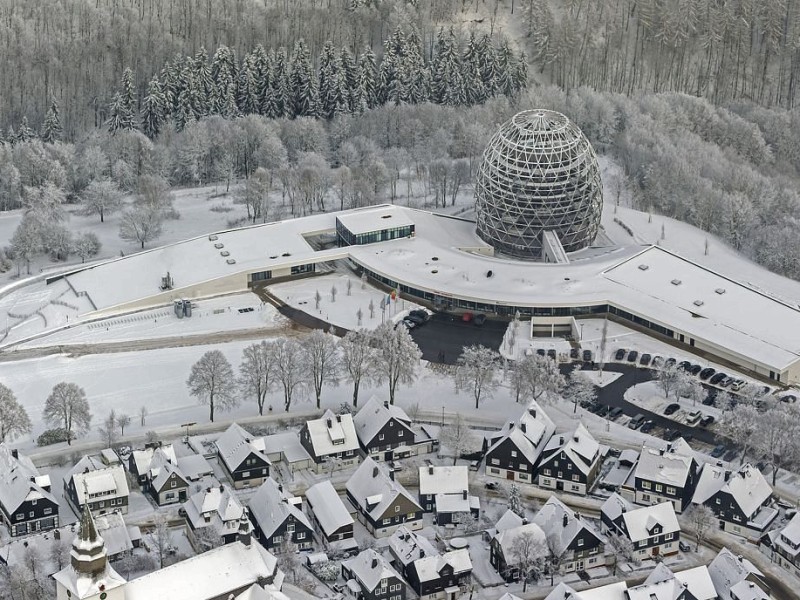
<point x="154" y="109"/>
<point x="203" y="83"/>
<point x="521" y="73"/>
<point x="419" y="76"/>
<point x="447" y="82"/>
<point x="487" y="59"/>
<point x="368" y="79"/>
<point x="350" y="79"/>
<point x="183" y="112"/>
<point x="505" y="71"/>
<point x="171" y="82"/>
<point x="333" y="94"/>
<point x="11" y="136"/>
<point x="51" y="128"/>
<point x="261" y="67"/>
<point x="247" y="93"/>
<point x="122" y="105"/>
<point x="303" y="83"/>
<point x="223" y="73"/>
<point x="281" y="101"/>
<point x="395" y="74"/>
<point x="24" y="133"/>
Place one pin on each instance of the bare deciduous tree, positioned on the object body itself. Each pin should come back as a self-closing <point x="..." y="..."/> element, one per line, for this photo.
<point x="123" y="420"/>
<point x="101" y="197"/>
<point x="67" y="407"/>
<point x="357" y="361"/>
<point x="213" y="383"/>
<point x="580" y="389"/>
<point x="536" y="377"/>
<point x="14" y="418"/>
<point x="456" y="436"/>
<point x="257" y="372"/>
<point x="140" y="225"/>
<point x="527" y="553"/>
<point x="397" y="357"/>
<point x="289" y="370"/>
<point x="321" y="359"/>
<point x="701" y="519"/>
<point x="108" y="430"/>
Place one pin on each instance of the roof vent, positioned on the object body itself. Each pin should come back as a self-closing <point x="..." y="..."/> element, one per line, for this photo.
<point x="675" y="282"/>
<point x="231" y="261"/>
<point x="224" y="253"/>
<point x="386" y="216"/>
<point x="219" y="245"/>
<point x="286" y="254"/>
<point x="643" y="267"/>
<point x="720" y="291"/>
<point x="698" y="303"/>
<point x="213" y="238"/>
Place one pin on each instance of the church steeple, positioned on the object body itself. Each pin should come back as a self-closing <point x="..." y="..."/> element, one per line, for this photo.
<point x="88" y="555"/>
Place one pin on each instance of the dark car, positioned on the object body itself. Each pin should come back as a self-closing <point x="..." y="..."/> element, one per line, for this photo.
<point x="595" y="408"/>
<point x="479" y="319"/>
<point x="420" y="314"/>
<point x="491" y="485"/>
<point x="587" y="356"/>
<point x="695" y="369"/>
<point x="620" y="354"/>
<point x="731" y="455"/>
<point x="647" y="426"/>
<point x="789" y="398"/>
<point x="604" y="410"/>
<point x="670" y="362"/>
<point x="658" y="361"/>
<point x="645" y="360"/>
<point x="707" y="372"/>
<point x="684" y="547"/>
<point x="715" y="379"/>
<point x="573" y="353"/>
<point x="551" y="353"/>
<point x="672" y="434"/>
<point x="718" y="451"/>
<point x="684" y="365"/>
<point x="632" y="355"/>
<point x="587" y="404"/>
<point x="614" y="413"/>
<point x="707" y="421"/>
<point x="541" y="351"/>
<point x="416" y="319"/>
<point x="672" y="408"/>
<point x="710" y="399"/>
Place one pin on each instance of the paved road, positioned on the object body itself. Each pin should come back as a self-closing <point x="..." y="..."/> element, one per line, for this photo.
<point x="446" y="333"/>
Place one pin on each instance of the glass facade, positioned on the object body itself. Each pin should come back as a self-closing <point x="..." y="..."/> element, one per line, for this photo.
<point x="348" y="238"/>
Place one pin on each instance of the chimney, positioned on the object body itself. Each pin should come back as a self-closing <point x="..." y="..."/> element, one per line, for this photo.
<point x="280" y="487"/>
<point x="421" y="553"/>
<point x="523" y="427"/>
<point x="221" y="488"/>
<point x="208" y="490"/>
<point x="532" y="412"/>
<point x="338" y="418"/>
<point x="430" y="469"/>
<point x="386" y="404"/>
<point x="15" y="453"/>
<point x="391" y="474"/>
<point x="561" y="440"/>
<point x="565" y="520"/>
<point x="524" y="521"/>
<point x="374" y="563"/>
<point x="575" y="438"/>
<point x="57" y="533"/>
<point x="375" y="471"/>
<point x="328" y="421"/>
<point x="464" y="494"/>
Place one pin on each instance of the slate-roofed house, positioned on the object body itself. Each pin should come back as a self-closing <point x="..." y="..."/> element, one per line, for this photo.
<point x="26" y="503"/>
<point x="369" y="576"/>
<point x="740" y="498"/>
<point x="278" y="518"/>
<point x="105" y="488"/>
<point x="382" y="503"/>
<point x="508" y="520"/>
<point x="662" y="582"/>
<point x="215" y="508"/>
<point x="286" y="447"/>
<point x="331" y="441"/>
<point x="783" y="545"/>
<point x="576" y="541"/>
<point x="570" y="463"/>
<point x="653" y="530"/>
<point x="431" y="574"/>
<point x="667" y="473"/>
<point x="501" y="554"/>
<point x="166" y="482"/>
<point x="381" y="428"/>
<point x="332" y="517"/>
<point x="736" y="578"/>
<point x="242" y="457"/>
<point x="444" y="490"/>
<point x="513" y="453"/>
<point x="139" y="462"/>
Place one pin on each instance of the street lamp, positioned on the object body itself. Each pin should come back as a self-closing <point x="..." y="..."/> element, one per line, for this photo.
<point x="187" y="425"/>
<point x="581" y="339"/>
<point x="442" y="415"/>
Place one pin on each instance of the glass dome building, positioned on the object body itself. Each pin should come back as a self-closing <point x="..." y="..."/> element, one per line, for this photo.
<point x="539" y="173"/>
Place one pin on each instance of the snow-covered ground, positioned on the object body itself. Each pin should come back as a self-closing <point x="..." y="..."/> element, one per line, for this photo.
<point x="650" y="396"/>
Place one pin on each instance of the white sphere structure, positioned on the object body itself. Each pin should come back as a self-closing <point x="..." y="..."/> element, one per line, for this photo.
<point x="539" y="173"/>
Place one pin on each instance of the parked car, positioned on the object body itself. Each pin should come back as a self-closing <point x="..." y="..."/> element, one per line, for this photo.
<point x="789" y="398"/>
<point x="738" y="384"/>
<point x="672" y="408"/>
<point x="645" y="359"/>
<point x="551" y="353"/>
<point x="684" y="365"/>
<point x="647" y="426"/>
<point x="727" y="381"/>
<point x="587" y="356"/>
<point x="408" y="323"/>
<point x="715" y="379"/>
<point x="694" y="417"/>
<point x="695" y="369"/>
<point x="671" y="435"/>
<point x="604" y="410"/>
<point x="710" y="399"/>
<point x="731" y="454"/>
<point x="479" y="319"/>
<point x="620" y="354"/>
<point x="707" y="372"/>
<point x="420" y="314"/>
<point x="573" y="353"/>
<point x="632" y="355"/>
<point x="658" y="362"/>
<point x="588" y="404"/>
<point x="684" y="547"/>
<point x="614" y="413"/>
<point x="491" y="485"/>
<point x="669" y="362"/>
<point x="541" y="351"/>
<point x="718" y="451"/>
<point x="707" y="421"/>
<point x="636" y="421"/>
<point x="416" y="319"/>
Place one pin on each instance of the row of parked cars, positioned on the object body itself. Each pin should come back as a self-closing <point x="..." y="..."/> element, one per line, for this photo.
<point x="415" y="318"/>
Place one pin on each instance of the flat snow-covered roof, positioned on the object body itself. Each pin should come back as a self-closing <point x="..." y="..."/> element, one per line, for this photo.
<point x="369" y="219"/>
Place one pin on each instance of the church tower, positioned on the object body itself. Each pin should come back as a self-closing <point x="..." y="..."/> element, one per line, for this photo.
<point x="89" y="576"/>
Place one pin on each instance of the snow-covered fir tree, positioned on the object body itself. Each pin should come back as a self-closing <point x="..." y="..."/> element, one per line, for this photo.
<point x="203" y="83"/>
<point x="281" y="100"/>
<point x="349" y="79"/>
<point x="24" y="133"/>
<point x="51" y="128"/>
<point x="368" y="79"/>
<point x="121" y="115"/>
<point x="303" y="83"/>
<point x="261" y="68"/>
<point x="487" y="60"/>
<point x="331" y="101"/>
<point x="154" y="109"/>
<point x="247" y="92"/>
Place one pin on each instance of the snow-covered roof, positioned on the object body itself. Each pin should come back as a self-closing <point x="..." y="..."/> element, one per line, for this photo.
<point x="195" y="466"/>
<point x="506" y="537"/>
<point x="143" y="458"/>
<point x="659" y="586"/>
<point x="220" y="505"/>
<point x="612" y="591"/>
<point x="328" y="507"/>
<point x="615" y="506"/>
<point x="407" y="546"/>
<point x="211" y="574"/>
<point x="430" y="567"/>
<point x="529" y="433"/>
<point x="443" y="479"/>
<point x="748" y="487"/>
<point x="791" y="533"/>
<point x="271" y="505"/>
<point x="369" y="568"/>
<point x="561" y="525"/>
<point x="332" y="433"/>
<point x="371" y="418"/>
<point x="99" y="479"/>
<point x="727" y="569"/>
<point x="287" y="444"/>
<point x="670" y="465"/>
<point x="19" y="481"/>
<point x="236" y="444"/>
<point x="374" y="490"/>
<point x="366" y="221"/>
<point x="162" y="467"/>
<point x="456" y="503"/>
<point x="747" y="590"/>
<point x="581" y="448"/>
<point x="640" y="521"/>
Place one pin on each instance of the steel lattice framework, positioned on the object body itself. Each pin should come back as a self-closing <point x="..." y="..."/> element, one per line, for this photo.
<point x="539" y="172"/>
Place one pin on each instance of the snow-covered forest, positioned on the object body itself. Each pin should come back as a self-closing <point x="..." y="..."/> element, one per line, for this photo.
<point x="391" y="101"/>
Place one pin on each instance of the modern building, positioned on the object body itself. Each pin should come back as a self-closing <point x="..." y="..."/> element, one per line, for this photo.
<point x="26" y="502"/>
<point x="539" y="174"/>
